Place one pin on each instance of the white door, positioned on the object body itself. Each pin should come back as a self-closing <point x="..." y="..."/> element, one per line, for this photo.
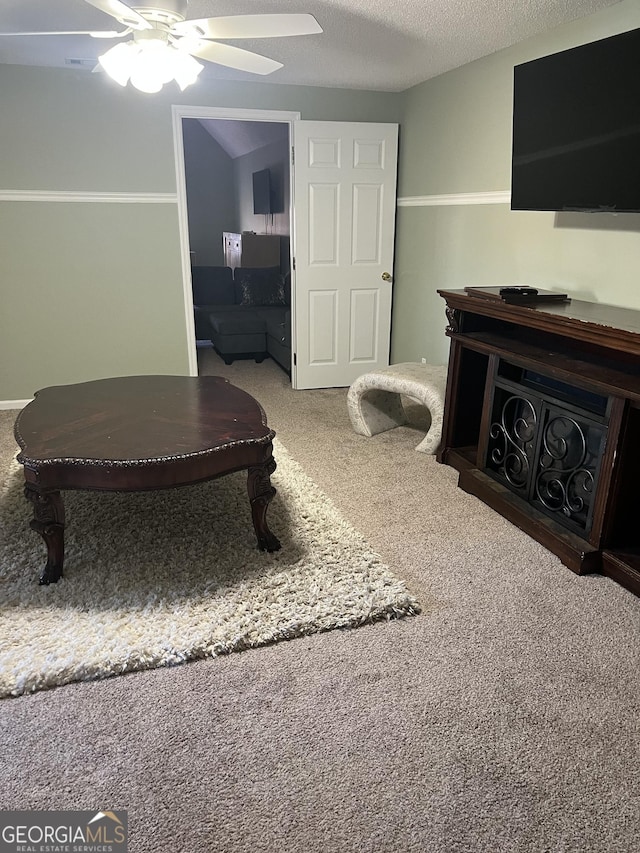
<point x="343" y="239"/>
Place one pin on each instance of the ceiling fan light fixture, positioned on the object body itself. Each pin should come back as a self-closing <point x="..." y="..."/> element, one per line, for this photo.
<point x="186" y="69"/>
<point x="118" y="61"/>
<point x="150" y="63"/>
<point x="166" y="46"/>
<point x="152" y="67"/>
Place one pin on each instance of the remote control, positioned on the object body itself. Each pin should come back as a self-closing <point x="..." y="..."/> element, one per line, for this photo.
<point x="518" y="291"/>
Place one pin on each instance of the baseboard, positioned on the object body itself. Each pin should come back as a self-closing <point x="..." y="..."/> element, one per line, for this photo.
<point x="13" y="404"/>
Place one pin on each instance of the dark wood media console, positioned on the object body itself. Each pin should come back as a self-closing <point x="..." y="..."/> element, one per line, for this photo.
<point x="542" y="422"/>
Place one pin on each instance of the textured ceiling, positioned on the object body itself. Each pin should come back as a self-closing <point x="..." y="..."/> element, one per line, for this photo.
<point x="386" y="45"/>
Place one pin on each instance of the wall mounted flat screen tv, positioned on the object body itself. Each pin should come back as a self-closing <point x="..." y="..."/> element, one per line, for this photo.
<point x="262" y="192"/>
<point x="576" y="128"/>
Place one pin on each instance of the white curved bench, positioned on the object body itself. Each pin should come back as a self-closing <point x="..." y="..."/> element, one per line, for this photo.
<point x="375" y="404"/>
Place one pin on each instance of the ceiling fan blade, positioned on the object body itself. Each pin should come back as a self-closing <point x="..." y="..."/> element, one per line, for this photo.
<point x="123" y="13"/>
<point x="96" y="34"/>
<point x="249" y="26"/>
<point x="232" y="57"/>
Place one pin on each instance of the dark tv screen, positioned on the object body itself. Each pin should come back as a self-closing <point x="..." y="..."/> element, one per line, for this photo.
<point x="576" y="128"/>
<point x="262" y="191"/>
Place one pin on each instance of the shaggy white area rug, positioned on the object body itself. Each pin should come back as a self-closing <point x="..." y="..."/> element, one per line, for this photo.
<point x="157" y="578"/>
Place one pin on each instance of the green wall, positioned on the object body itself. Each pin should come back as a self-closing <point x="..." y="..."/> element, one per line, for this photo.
<point x="87" y="294"/>
<point x="456" y="139"/>
<point x="94" y="289"/>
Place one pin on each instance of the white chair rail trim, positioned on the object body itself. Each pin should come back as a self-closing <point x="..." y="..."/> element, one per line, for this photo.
<point x="447" y="199"/>
<point x="498" y="197"/>
<point x="92" y="197"/>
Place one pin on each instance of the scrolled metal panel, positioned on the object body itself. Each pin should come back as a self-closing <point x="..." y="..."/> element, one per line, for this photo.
<point x="512" y="436"/>
<point x="567" y="467"/>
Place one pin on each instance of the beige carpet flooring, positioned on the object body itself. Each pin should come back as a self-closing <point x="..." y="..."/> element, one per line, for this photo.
<point x="505" y="717"/>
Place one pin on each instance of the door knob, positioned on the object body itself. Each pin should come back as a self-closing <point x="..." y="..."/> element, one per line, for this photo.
<point x="386" y="276"/>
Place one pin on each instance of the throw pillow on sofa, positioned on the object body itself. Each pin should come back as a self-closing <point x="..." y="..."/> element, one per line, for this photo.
<point x="259" y="286"/>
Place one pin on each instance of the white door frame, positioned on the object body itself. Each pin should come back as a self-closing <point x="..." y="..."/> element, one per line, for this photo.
<point x="178" y="113"/>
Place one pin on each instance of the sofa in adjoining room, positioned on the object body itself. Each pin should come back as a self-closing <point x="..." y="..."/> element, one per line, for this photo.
<point x="245" y="313"/>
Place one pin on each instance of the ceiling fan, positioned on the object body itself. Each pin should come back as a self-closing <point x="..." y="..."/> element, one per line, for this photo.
<point x="164" y="43"/>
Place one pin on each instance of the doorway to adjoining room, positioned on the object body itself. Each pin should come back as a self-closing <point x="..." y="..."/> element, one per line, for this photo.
<point x="237" y="181"/>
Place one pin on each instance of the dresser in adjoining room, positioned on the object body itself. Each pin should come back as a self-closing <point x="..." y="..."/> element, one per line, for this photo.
<point x="251" y="250"/>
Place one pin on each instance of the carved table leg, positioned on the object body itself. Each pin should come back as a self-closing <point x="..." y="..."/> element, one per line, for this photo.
<point x="260" y="494"/>
<point x="48" y="521"/>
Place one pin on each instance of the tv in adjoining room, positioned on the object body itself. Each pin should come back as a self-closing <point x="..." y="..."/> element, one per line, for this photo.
<point x="262" y="192"/>
<point x="576" y="129"/>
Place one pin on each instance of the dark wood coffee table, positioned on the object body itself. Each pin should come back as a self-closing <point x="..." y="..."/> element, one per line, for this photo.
<point x="140" y="433"/>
